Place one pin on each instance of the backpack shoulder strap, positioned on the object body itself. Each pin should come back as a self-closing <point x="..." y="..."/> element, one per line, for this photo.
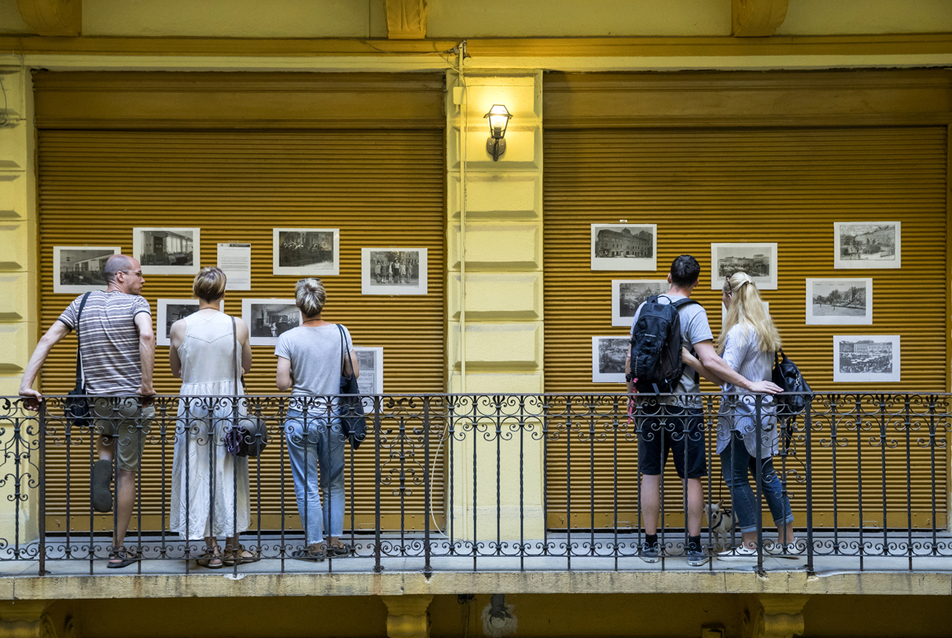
<point x="681" y="303"/>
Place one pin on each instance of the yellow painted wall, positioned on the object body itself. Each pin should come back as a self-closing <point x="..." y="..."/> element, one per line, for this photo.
<point x="831" y="17"/>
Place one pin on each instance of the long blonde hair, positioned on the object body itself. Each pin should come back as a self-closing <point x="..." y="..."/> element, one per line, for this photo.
<point x="748" y="309"/>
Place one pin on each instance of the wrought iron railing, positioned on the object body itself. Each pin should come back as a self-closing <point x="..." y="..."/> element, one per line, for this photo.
<point x="479" y="482"/>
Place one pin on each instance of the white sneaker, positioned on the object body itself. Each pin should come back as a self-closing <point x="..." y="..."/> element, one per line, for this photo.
<point x="792" y="550"/>
<point x="742" y="553"/>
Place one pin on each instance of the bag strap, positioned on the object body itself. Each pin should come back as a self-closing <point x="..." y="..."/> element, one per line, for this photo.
<point x="80" y="375"/>
<point x="234" y="332"/>
<point x="344" y="354"/>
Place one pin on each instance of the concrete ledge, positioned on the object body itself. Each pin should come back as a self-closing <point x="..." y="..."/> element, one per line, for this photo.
<point x="406" y="583"/>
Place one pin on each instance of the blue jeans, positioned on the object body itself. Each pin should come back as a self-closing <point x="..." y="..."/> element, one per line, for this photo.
<point x="736" y="463"/>
<point x="312" y="445"/>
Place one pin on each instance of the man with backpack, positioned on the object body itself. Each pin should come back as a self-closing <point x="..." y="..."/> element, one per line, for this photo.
<point x="673" y="421"/>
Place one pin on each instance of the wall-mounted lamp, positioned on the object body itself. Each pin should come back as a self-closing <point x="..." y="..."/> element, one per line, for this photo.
<point x="499" y="117"/>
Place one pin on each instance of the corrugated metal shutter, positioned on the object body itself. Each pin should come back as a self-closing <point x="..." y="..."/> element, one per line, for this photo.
<point x="379" y="187"/>
<point x="784" y="185"/>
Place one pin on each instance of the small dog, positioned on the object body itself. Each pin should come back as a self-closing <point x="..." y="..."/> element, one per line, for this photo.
<point x="720" y="520"/>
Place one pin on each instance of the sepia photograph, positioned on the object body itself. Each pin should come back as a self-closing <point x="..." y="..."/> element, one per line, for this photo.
<point x="628" y="294"/>
<point x="168" y="311"/>
<point x="866" y="359"/>
<point x="167" y="251"/>
<point x="79" y="269"/>
<point x="370" y="381"/>
<point x="267" y="319"/>
<point x="624" y="247"/>
<point x="724" y="312"/>
<point x="608" y="359"/>
<point x="306" y="252"/>
<point x="757" y="260"/>
<point x="393" y="271"/>
<point x="839" y="302"/>
<point x="867" y="245"/>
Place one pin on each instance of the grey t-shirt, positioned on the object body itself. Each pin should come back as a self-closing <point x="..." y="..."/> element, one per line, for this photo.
<point x="694" y="329"/>
<point x="315" y="354"/>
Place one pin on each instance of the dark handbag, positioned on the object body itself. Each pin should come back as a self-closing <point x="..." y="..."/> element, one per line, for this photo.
<point x="353" y="422"/>
<point x="796" y="390"/>
<point x="249" y="434"/>
<point x="76" y="406"/>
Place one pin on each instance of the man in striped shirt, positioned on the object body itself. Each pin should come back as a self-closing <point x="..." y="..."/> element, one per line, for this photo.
<point x="117" y="351"/>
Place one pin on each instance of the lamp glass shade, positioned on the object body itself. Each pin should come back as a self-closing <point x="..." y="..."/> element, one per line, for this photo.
<point x="498" y="117"/>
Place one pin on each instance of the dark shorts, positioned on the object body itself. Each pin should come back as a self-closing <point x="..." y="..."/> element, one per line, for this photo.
<point x="677" y="430"/>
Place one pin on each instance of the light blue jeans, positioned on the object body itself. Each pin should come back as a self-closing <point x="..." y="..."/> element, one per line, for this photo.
<point x="313" y="446"/>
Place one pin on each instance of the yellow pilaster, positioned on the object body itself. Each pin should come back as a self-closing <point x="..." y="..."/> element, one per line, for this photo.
<point x="27" y="619"/>
<point x="407" y="616"/>
<point x="494" y="239"/>
<point x="18" y="285"/>
<point x="775" y="616"/>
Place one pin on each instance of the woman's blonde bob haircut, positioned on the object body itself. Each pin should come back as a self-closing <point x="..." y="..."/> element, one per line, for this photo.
<point x="748" y="309"/>
<point x="209" y="284"/>
<point x="309" y="295"/>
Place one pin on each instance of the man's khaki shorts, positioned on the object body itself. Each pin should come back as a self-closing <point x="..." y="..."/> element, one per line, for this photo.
<point x="125" y="421"/>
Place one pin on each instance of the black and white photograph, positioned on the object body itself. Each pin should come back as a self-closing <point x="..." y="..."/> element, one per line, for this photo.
<point x="167" y="251"/>
<point x="839" y="302"/>
<point x="866" y="359"/>
<point x="608" y="359"/>
<point x="267" y="319"/>
<point x="625" y="247"/>
<point x="393" y="271"/>
<point x="79" y="269"/>
<point x="757" y="260"/>
<point x="370" y="381"/>
<point x="305" y="252"/>
<point x="724" y="313"/>
<point x="867" y="244"/>
<point x="628" y="294"/>
<point x="168" y="311"/>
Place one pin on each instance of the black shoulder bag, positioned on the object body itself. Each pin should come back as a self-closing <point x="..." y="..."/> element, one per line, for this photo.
<point x="353" y="422"/>
<point x="248" y="436"/>
<point x="76" y="407"/>
<point x="796" y="390"/>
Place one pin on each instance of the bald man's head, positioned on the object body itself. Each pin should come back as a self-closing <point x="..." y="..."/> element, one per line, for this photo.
<point x="116" y="263"/>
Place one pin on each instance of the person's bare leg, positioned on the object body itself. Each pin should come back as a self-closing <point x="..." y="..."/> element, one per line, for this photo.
<point x="651" y="501"/>
<point x="104" y="447"/>
<point x="785" y="534"/>
<point x="749" y="539"/>
<point x="125" y="500"/>
<point x="695" y="505"/>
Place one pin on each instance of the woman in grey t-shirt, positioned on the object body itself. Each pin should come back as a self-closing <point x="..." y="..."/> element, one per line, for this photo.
<point x="310" y="359"/>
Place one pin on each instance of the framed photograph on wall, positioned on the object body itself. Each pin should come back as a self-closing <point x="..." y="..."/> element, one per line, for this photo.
<point x="757" y="260"/>
<point x="306" y="252"/>
<point x="168" y="311"/>
<point x="79" y="269"/>
<point x="625" y="247"/>
<point x="267" y="319"/>
<point x="608" y="359"/>
<point x="167" y="251"/>
<point x="866" y="359"/>
<point x="370" y="381"/>
<point x="628" y="294"/>
<point x="867" y="244"/>
<point x="393" y="271"/>
<point x="724" y="312"/>
<point x="839" y="302"/>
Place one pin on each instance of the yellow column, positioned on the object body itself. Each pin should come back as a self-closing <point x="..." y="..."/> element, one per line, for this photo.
<point x="407" y="616"/>
<point x="495" y="305"/>
<point x="18" y="285"/>
<point x="775" y="616"/>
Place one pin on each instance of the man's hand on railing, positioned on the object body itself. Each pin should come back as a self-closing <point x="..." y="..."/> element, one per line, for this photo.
<point x="146" y="395"/>
<point x="31" y="398"/>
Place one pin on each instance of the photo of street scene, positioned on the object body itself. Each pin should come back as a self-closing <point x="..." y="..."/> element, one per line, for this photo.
<point x="80" y="269"/>
<point x="393" y="271"/>
<point x="608" y="359"/>
<point x="866" y="358"/>
<point x="306" y="251"/>
<point x="867" y="244"/>
<point x="370" y="381"/>
<point x="624" y="246"/>
<point x="166" y="251"/>
<point x="839" y="301"/>
<point x="267" y="319"/>
<point x="757" y="260"/>
<point x="627" y="295"/>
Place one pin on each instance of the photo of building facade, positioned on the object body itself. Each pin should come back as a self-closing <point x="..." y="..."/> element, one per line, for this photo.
<point x="717" y="123"/>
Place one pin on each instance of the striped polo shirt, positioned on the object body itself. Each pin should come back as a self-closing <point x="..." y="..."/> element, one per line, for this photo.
<point x="109" y="341"/>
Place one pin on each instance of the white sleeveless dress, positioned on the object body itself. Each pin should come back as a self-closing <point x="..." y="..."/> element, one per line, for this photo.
<point x="202" y="468"/>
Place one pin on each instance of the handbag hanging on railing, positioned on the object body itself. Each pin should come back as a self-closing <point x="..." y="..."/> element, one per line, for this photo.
<point x="76" y="406"/>
<point x="249" y="435"/>
<point x="353" y="422"/>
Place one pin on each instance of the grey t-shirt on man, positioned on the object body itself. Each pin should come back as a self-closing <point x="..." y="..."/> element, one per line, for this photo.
<point x="315" y="353"/>
<point x="694" y="329"/>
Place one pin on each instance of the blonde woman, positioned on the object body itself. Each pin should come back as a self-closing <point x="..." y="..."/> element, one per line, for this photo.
<point x="748" y="343"/>
<point x="209" y="485"/>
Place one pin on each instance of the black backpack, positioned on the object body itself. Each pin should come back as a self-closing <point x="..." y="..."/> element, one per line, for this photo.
<point x="655" y="350"/>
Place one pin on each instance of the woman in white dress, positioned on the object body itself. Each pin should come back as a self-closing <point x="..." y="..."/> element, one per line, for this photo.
<point x="206" y="349"/>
